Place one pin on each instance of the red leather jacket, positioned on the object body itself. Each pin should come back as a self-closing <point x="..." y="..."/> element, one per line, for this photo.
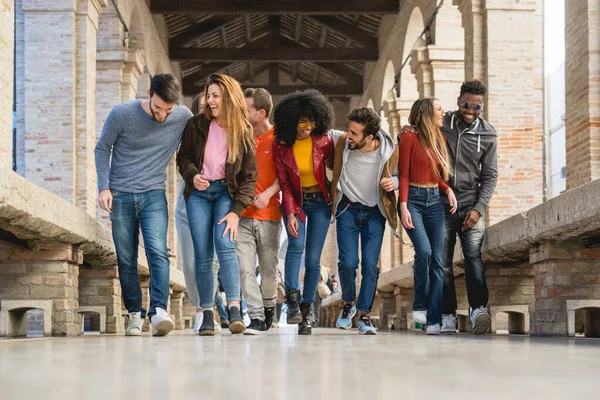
<point x="289" y="176"/>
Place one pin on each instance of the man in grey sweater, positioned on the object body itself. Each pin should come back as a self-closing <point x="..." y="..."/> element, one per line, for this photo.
<point x="138" y="140"/>
<point x="472" y="144"/>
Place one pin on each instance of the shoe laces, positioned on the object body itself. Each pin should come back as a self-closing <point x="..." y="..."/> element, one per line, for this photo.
<point x="346" y="310"/>
<point x="366" y="320"/>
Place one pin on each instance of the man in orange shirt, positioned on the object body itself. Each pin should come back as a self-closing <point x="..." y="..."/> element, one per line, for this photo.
<point x="260" y="225"/>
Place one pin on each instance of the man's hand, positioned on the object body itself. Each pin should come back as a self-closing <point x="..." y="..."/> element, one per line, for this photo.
<point x="105" y="199"/>
<point x="408" y="128"/>
<point x="261" y="201"/>
<point x="387" y="184"/>
<point x="231" y="224"/>
<point x="292" y="225"/>
<point x="471" y="219"/>
<point x="200" y="182"/>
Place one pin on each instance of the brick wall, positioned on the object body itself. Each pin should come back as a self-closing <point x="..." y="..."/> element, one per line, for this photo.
<point x="583" y="91"/>
<point x="6" y="80"/>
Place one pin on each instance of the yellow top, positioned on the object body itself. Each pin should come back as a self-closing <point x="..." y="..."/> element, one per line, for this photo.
<point x="303" y="151"/>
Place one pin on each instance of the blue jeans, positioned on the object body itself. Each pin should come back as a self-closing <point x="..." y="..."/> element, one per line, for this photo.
<point x="471" y="242"/>
<point x="313" y="232"/>
<point x="221" y="308"/>
<point x="205" y="209"/>
<point x="354" y="219"/>
<point x="148" y="211"/>
<point x="427" y="212"/>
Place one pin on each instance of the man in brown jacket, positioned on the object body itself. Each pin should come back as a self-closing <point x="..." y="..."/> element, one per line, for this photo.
<point x="365" y="175"/>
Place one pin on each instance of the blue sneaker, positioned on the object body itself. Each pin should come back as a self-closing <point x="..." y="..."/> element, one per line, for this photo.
<point x="344" y="321"/>
<point x="365" y="326"/>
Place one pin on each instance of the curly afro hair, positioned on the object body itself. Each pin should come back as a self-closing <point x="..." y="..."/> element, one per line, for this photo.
<point x="473" y="87"/>
<point x="310" y="104"/>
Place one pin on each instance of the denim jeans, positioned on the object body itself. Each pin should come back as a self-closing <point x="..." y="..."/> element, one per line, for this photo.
<point x="205" y="209"/>
<point x="311" y="237"/>
<point x="427" y="212"/>
<point x="260" y="239"/>
<point x="354" y="219"/>
<point x="148" y="211"/>
<point x="221" y="308"/>
<point x="471" y="241"/>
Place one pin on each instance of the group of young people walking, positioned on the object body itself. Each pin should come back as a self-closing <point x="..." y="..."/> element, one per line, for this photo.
<point x="234" y="164"/>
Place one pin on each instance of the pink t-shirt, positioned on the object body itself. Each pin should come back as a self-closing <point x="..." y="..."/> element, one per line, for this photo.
<point x="215" y="153"/>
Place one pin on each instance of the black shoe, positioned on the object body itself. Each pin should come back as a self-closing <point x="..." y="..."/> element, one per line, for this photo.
<point x="294" y="316"/>
<point x="256" y="327"/>
<point x="236" y="323"/>
<point x="208" y="324"/>
<point x="225" y="324"/>
<point x="305" y="327"/>
<point x="269" y="317"/>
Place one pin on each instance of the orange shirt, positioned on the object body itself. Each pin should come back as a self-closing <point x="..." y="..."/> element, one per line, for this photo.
<point x="266" y="177"/>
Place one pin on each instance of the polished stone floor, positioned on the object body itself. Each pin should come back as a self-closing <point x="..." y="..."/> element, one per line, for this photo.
<point x="330" y="364"/>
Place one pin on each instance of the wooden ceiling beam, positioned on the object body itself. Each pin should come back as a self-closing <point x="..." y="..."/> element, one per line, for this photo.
<point x="194" y="32"/>
<point x="315" y="7"/>
<point x="280" y="54"/>
<point x="345" y="29"/>
<point x="341" y="91"/>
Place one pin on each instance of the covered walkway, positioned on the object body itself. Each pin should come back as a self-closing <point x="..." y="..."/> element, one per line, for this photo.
<point x="331" y="364"/>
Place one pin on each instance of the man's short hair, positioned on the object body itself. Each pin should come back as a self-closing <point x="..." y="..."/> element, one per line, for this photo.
<point x="473" y="87"/>
<point x="262" y="99"/>
<point x="367" y="117"/>
<point x="166" y="87"/>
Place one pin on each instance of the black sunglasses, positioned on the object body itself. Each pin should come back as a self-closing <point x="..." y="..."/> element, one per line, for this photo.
<point x="476" y="107"/>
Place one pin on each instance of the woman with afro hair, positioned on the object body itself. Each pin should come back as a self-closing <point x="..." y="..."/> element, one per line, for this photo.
<point x="302" y="150"/>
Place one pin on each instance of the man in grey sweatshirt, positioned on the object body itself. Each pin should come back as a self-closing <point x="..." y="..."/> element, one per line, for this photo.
<point x="138" y="139"/>
<point x="365" y="175"/>
<point x="471" y="143"/>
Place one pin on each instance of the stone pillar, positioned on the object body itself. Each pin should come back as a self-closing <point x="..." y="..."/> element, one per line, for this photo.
<point x="7" y="44"/>
<point x="404" y="300"/>
<point x="132" y="72"/>
<point x="99" y="286"/>
<point x="583" y="91"/>
<point x="387" y="308"/>
<point x="189" y="311"/>
<point x="504" y="49"/>
<point x="58" y="57"/>
<point x="563" y="272"/>
<point x="47" y="272"/>
<point x="448" y="69"/>
<point x="145" y="286"/>
<point x="421" y="68"/>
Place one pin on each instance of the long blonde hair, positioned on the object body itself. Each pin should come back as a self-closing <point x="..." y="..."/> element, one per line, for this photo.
<point x="422" y="117"/>
<point x="238" y="131"/>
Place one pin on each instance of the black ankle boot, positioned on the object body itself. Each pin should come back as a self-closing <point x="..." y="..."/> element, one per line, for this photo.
<point x="269" y="317"/>
<point x="293" y="310"/>
<point x="305" y="327"/>
<point x="208" y="324"/>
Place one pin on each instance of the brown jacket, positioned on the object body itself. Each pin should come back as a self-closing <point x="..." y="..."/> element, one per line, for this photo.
<point x="388" y="199"/>
<point x="240" y="176"/>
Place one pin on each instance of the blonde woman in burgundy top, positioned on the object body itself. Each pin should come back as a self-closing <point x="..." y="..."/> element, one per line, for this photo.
<point x="218" y="163"/>
<point x="423" y="169"/>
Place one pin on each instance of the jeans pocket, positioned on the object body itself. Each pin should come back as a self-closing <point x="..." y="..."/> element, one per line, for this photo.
<point x="113" y="192"/>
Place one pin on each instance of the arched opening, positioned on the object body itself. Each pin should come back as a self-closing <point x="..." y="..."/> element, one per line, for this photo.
<point x="35" y="322"/>
<point x="409" y="90"/>
<point x="92" y="323"/>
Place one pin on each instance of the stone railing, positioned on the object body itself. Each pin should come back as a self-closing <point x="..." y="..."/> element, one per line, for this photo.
<point x="56" y="258"/>
<point x="542" y="267"/>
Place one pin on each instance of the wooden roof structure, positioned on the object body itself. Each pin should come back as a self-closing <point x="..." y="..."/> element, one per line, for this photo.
<point x="319" y="44"/>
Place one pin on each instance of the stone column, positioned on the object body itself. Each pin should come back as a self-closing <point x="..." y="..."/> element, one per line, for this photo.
<point x="132" y="72"/>
<point x="421" y="68"/>
<point x="404" y="298"/>
<point x="7" y="43"/>
<point x="99" y="286"/>
<point x="387" y="308"/>
<point x="47" y="272"/>
<point x="583" y="91"/>
<point x="473" y="21"/>
<point x="177" y="309"/>
<point x="448" y="68"/>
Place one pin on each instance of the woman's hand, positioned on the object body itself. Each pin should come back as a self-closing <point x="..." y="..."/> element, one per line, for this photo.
<point x="231" y="220"/>
<point x="405" y="216"/>
<point x="452" y="200"/>
<point x="292" y="225"/>
<point x="200" y="182"/>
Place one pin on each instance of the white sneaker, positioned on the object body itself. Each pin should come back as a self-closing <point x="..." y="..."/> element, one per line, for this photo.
<point x="162" y="324"/>
<point x="448" y="323"/>
<point x="433" y="329"/>
<point x="420" y="316"/>
<point x="480" y="320"/>
<point x="218" y="328"/>
<point x="198" y="323"/>
<point x="134" y="326"/>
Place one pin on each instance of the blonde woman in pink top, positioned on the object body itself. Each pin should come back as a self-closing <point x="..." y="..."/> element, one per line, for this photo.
<point x="217" y="161"/>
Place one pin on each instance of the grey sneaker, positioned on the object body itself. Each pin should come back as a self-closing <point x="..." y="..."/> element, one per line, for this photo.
<point x="480" y="320"/>
<point x="433" y="329"/>
<point x="448" y="324"/>
<point x="162" y="324"/>
<point x="134" y="326"/>
<point x="420" y="316"/>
